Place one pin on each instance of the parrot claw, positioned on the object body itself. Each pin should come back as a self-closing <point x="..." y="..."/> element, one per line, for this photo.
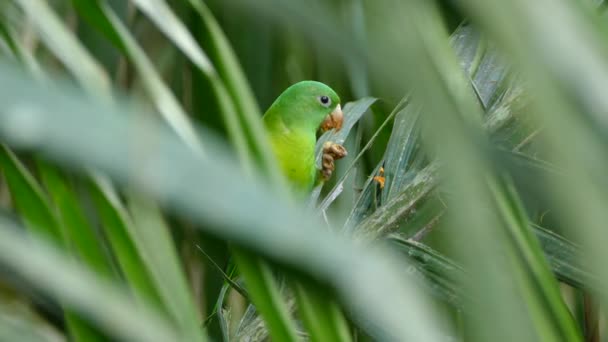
<point x="331" y="153"/>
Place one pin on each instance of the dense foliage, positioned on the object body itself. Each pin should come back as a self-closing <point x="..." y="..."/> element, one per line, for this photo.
<point x="141" y="202"/>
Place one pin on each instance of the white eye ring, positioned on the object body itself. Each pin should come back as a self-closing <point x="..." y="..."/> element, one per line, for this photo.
<point x="325" y="101"/>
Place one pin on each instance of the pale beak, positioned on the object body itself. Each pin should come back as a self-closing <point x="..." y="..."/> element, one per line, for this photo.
<point x="333" y="120"/>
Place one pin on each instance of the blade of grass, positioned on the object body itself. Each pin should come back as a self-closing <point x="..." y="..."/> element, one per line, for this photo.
<point x="265" y="294"/>
<point x="565" y="259"/>
<point x="8" y="38"/>
<point x="35" y="209"/>
<point x="556" y="314"/>
<point x="18" y="323"/>
<point x="58" y="275"/>
<point x="353" y="111"/>
<point x="156" y="89"/>
<point x="65" y="46"/>
<point x="79" y="330"/>
<point x="118" y="227"/>
<point x="28" y="198"/>
<point x="400" y="153"/>
<point x="221" y="314"/>
<point x="238" y="288"/>
<point x="321" y="314"/>
<point x="22" y="53"/>
<point x="562" y="255"/>
<point x="77" y="228"/>
<point x="438" y="269"/>
<point x="161" y="14"/>
<point x="153" y="239"/>
<point x="388" y="217"/>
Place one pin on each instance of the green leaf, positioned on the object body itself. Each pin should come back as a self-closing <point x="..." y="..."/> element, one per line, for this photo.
<point x="321" y="314"/>
<point x="166" y="21"/>
<point x="265" y="294"/>
<point x="156" y="89"/>
<point x="353" y="111"/>
<point x="29" y="199"/>
<point x="553" y="314"/>
<point x="65" y="46"/>
<point x="152" y="237"/>
<point x="565" y="258"/>
<point x="439" y="270"/>
<point x="230" y="71"/>
<point x="118" y="227"/>
<point x="109" y="306"/>
<point x="79" y="233"/>
<point x="400" y="167"/>
<point x="20" y="322"/>
<point x="388" y="217"/>
<point x="34" y="206"/>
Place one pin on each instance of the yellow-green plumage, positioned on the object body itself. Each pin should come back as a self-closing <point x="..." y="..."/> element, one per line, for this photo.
<point x="292" y="122"/>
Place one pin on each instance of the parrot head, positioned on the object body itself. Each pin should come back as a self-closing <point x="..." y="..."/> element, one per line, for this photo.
<point x="309" y="104"/>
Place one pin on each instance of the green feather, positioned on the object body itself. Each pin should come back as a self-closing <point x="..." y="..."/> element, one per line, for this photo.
<point x="292" y="122"/>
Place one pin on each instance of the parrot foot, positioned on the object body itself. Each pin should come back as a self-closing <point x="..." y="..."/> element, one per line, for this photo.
<point x="331" y="153"/>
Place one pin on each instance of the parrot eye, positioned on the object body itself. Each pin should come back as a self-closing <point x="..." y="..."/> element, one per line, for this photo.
<point x="325" y="101"/>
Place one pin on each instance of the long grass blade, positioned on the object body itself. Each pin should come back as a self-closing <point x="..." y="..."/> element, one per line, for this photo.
<point x="107" y="305"/>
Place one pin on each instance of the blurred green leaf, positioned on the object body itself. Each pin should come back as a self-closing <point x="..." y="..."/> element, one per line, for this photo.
<point x="353" y="111"/>
<point x="107" y="305"/>
<point x="441" y="272"/>
<point x="118" y="227"/>
<point x="29" y="199"/>
<point x="157" y="90"/>
<point x="20" y="322"/>
<point x="153" y="240"/>
<point x="388" y="217"/>
<point x="266" y="295"/>
<point x="166" y="21"/>
<point x="32" y="203"/>
<point x="565" y="258"/>
<point x="65" y="46"/>
<point x="230" y="71"/>
<point x="79" y="233"/>
<point x="546" y="296"/>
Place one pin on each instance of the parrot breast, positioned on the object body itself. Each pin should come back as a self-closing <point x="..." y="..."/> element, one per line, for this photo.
<point x="295" y="153"/>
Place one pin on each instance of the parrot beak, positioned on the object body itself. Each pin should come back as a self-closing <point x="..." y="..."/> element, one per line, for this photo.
<point x="333" y="120"/>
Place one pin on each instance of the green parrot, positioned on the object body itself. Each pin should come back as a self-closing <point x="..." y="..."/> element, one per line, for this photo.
<point x="292" y="123"/>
